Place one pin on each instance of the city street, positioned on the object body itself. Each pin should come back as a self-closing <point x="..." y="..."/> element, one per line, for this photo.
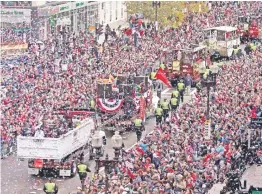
<point x="64" y="62"/>
<point x="16" y="180"/>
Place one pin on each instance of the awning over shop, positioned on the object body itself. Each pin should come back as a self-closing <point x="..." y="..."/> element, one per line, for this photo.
<point x="14" y="47"/>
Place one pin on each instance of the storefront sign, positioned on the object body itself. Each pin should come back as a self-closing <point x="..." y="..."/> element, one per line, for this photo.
<point x="15" y="12"/>
<point x="79" y="4"/>
<point x="15" y="15"/>
<point x="65" y="7"/>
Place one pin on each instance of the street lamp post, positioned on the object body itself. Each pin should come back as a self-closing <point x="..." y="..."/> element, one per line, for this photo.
<point x="117" y="142"/>
<point x="214" y="70"/>
<point x="208" y="83"/>
<point x="202" y="70"/>
<point x="97" y="143"/>
<point x="156" y="4"/>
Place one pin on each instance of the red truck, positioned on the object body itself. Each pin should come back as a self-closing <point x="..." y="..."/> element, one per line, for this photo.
<point x="250" y="28"/>
<point x="191" y="58"/>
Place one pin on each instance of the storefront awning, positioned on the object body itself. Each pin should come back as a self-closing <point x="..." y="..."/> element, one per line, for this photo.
<point x="14" y="47"/>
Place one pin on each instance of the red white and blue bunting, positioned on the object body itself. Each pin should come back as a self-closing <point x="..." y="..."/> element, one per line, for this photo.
<point x="110" y="105"/>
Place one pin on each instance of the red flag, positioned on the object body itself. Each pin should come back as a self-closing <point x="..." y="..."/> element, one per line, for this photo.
<point x="130" y="174"/>
<point x="161" y="76"/>
<point x="138" y="149"/>
<point x="253" y="113"/>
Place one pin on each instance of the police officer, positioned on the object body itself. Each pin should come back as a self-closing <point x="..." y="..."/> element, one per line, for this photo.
<point x="165" y="107"/>
<point x="138" y="127"/>
<point x="82" y="170"/>
<point x="181" y="88"/>
<point x="153" y="78"/>
<point x="198" y="86"/>
<point x="50" y="187"/>
<point x="173" y="103"/>
<point x="207" y="73"/>
<point x="159" y="114"/>
<point x="175" y="94"/>
<point x="92" y="104"/>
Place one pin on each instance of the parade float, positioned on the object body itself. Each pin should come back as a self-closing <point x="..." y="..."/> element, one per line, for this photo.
<point x="124" y="99"/>
<point x="190" y="59"/>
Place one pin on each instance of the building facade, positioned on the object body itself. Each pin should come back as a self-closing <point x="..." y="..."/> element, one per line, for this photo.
<point x="45" y="18"/>
<point x="16" y="18"/>
<point x="112" y="13"/>
<point x="74" y="16"/>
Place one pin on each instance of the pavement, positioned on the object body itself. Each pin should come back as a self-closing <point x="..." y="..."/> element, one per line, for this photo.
<point x="15" y="178"/>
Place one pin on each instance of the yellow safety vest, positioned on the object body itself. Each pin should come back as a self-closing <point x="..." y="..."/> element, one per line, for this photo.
<point x="82" y="168"/>
<point x="253" y="46"/>
<point x="162" y="66"/>
<point x="235" y="51"/>
<point x="175" y="93"/>
<point x="92" y="104"/>
<point x="153" y="74"/>
<point x="138" y="123"/>
<point x="207" y="71"/>
<point x="173" y="101"/>
<point x="159" y="111"/>
<point x="49" y="187"/>
<point x="198" y="84"/>
<point x="180" y="86"/>
<point x="165" y="105"/>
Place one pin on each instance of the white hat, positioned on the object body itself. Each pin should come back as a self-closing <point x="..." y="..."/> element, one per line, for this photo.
<point x="126" y="189"/>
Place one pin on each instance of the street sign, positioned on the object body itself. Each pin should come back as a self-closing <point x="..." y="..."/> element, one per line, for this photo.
<point x="207" y="129"/>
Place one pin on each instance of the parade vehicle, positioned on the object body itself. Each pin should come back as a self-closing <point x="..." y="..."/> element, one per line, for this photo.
<point x="57" y="154"/>
<point x="191" y="58"/>
<point x="221" y="41"/>
<point x="250" y="28"/>
<point x="124" y="99"/>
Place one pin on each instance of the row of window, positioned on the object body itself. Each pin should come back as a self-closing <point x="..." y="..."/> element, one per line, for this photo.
<point x="103" y="7"/>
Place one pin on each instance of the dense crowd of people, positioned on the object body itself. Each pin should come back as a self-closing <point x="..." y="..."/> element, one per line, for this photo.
<point x="172" y="158"/>
<point x="65" y="72"/>
<point x="15" y="34"/>
<point x="64" y="75"/>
